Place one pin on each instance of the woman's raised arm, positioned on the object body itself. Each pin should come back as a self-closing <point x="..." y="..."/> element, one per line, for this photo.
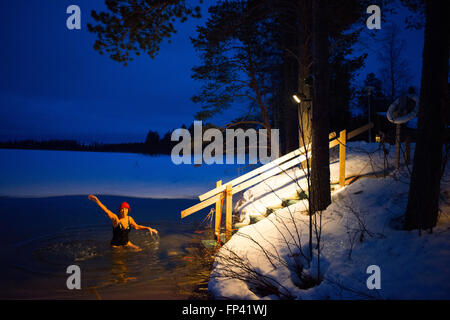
<point x="110" y="214"/>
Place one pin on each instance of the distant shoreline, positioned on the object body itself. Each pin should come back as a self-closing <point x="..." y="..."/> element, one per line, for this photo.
<point x="72" y="145"/>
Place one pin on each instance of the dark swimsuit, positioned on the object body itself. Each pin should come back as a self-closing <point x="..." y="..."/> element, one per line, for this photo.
<point x="120" y="234"/>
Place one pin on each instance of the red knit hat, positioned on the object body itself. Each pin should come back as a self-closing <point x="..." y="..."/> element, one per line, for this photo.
<point x="125" y="205"/>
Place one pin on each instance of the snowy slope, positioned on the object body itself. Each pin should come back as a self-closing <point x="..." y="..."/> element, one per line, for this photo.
<point x="412" y="266"/>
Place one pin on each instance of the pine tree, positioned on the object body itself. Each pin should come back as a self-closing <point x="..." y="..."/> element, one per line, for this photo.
<point x="134" y="26"/>
<point x="423" y="200"/>
<point x="320" y="161"/>
<point x="394" y="69"/>
<point x="237" y="57"/>
<point x="152" y="143"/>
<point x="293" y="23"/>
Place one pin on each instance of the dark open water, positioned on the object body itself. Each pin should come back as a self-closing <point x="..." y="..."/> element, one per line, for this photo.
<point x="41" y="237"/>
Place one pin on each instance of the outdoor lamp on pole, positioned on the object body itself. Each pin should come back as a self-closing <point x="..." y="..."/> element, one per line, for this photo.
<point x="298" y="98"/>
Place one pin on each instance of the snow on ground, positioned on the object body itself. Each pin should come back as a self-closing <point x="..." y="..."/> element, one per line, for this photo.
<point x="370" y="209"/>
<point x="272" y="191"/>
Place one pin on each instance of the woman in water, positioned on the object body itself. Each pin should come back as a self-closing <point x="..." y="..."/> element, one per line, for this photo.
<point x="121" y="225"/>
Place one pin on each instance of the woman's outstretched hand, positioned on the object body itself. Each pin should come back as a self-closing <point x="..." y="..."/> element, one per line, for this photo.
<point x="152" y="231"/>
<point x="93" y="198"/>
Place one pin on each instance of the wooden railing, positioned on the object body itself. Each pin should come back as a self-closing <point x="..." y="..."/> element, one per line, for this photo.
<point x="226" y="191"/>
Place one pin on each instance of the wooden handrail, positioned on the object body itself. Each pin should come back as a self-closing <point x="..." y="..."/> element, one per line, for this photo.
<point x="360" y="130"/>
<point x="200" y="206"/>
<point x="250" y="174"/>
<point x="270" y="173"/>
<point x="296" y="157"/>
<point x="257" y="171"/>
<point x="275" y="170"/>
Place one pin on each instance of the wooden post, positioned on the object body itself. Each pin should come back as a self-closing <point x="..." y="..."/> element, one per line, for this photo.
<point x="229" y="211"/>
<point x="342" y="143"/>
<point x="218" y="213"/>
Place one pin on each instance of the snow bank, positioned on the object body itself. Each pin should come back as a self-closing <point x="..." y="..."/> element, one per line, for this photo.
<point x="370" y="209"/>
<point x="273" y="191"/>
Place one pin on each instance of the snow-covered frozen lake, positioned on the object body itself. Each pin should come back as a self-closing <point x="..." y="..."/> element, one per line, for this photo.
<point x="40" y="173"/>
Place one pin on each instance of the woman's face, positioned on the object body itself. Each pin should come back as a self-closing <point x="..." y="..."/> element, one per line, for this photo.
<point x="124" y="211"/>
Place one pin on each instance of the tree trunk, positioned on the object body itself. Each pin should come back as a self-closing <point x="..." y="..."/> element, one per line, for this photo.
<point x="320" y="161"/>
<point x="423" y="200"/>
<point x="290" y="124"/>
<point x="304" y="63"/>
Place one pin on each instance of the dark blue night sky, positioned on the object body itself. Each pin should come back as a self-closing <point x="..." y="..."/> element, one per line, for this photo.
<point x="53" y="85"/>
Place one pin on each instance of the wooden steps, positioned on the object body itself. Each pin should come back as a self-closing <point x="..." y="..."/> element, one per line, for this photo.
<point x="222" y="195"/>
